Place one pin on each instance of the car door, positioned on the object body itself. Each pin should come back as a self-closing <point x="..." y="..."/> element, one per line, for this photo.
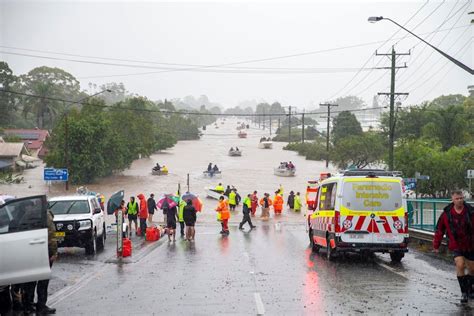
<point x="24" y="240"/>
<point x="97" y="215"/>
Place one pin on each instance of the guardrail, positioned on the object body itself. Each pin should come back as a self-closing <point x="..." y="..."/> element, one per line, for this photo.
<point x="423" y="214"/>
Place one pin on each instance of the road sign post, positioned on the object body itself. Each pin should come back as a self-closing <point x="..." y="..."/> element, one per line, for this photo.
<point x="470" y="175"/>
<point x="52" y="174"/>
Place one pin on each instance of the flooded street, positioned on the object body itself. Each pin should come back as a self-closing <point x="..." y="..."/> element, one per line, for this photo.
<point x="268" y="270"/>
<point x="252" y="171"/>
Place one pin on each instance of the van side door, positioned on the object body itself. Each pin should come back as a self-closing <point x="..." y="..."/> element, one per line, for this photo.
<point x="24" y="240"/>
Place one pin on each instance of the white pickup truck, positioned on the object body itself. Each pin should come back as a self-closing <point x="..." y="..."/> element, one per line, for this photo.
<point x="79" y="222"/>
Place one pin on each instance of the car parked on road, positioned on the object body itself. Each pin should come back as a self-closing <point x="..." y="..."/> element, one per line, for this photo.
<point x="79" y="222"/>
<point x="24" y="240"/>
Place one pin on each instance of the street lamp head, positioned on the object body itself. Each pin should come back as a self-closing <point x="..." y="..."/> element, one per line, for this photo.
<point x="373" y="19"/>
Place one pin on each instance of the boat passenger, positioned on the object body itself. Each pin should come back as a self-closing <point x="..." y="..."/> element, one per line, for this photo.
<point x="291" y="165"/>
<point x="209" y="167"/>
<point x="164" y="169"/>
<point x="231" y="148"/>
<point x="157" y="167"/>
<point x="236" y="148"/>
<point x="219" y="188"/>
<point x="215" y="169"/>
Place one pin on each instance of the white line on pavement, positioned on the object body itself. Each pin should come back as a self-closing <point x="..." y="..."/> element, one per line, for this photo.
<point x="383" y="265"/>
<point x="258" y="301"/>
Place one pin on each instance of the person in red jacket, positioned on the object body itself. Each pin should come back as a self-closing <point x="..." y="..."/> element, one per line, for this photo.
<point x="456" y="221"/>
<point x="143" y="213"/>
<point x="254" y="203"/>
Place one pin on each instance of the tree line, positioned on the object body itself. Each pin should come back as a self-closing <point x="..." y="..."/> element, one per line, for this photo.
<point x="435" y="138"/>
<point x="98" y="135"/>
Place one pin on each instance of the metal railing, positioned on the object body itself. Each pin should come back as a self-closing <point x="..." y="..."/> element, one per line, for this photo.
<point x="423" y="214"/>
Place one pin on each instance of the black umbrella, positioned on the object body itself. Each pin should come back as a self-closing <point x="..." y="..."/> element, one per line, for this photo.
<point x="114" y="201"/>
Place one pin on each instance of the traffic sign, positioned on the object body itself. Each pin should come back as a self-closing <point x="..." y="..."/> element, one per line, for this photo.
<point x="470" y="174"/>
<point x="52" y="174"/>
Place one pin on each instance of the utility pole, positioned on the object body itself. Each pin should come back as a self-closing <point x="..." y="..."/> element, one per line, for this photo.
<point x="279" y="122"/>
<point x="392" y="94"/>
<point x="289" y="125"/>
<point x="263" y="118"/>
<point x="66" y="148"/>
<point x="329" y="105"/>
<point x="302" y="125"/>
<point x="270" y="125"/>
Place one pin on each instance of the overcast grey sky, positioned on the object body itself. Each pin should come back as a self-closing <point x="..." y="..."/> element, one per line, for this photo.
<point x="210" y="33"/>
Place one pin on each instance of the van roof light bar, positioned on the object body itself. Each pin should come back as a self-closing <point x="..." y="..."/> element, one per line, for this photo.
<point x="371" y="173"/>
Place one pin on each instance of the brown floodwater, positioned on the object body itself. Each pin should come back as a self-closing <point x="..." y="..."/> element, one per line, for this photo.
<point x="252" y="171"/>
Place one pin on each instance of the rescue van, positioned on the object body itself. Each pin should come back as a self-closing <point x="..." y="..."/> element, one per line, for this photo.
<point x="360" y="211"/>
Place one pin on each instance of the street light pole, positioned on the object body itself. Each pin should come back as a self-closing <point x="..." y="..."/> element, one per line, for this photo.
<point x="374" y="19"/>
<point x="66" y="131"/>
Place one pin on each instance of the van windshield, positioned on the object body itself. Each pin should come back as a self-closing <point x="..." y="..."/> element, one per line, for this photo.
<point x="372" y="196"/>
<point x="69" y="207"/>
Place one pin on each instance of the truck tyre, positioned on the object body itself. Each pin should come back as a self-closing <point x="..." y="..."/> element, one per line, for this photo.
<point x="396" y="256"/>
<point x="101" y="240"/>
<point x="329" y="251"/>
<point x="314" y="247"/>
<point x="91" y="246"/>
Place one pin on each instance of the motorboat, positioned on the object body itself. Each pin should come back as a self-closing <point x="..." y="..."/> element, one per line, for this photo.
<point x="159" y="172"/>
<point x="266" y="144"/>
<point x="213" y="194"/>
<point x="212" y="174"/>
<point x="242" y="134"/>
<point x="284" y="171"/>
<point x="235" y="153"/>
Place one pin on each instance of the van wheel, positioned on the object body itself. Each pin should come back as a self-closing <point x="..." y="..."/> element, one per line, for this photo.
<point x="314" y="247"/>
<point x="329" y="251"/>
<point x="91" y="246"/>
<point x="396" y="256"/>
<point x="101" y="241"/>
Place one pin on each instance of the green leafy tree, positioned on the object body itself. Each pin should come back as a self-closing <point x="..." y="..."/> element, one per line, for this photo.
<point x="359" y="151"/>
<point x="445" y="101"/>
<point x="345" y="124"/>
<point x="47" y="82"/>
<point x="447" y="169"/>
<point x="7" y="100"/>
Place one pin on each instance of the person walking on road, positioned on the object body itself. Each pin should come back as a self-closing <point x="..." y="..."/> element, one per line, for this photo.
<point x="297" y="202"/>
<point x="42" y="286"/>
<point x="132" y="213"/>
<point x="143" y="214"/>
<point x="278" y="203"/>
<point x="172" y="216"/>
<point x="232" y="200"/>
<point x="181" y="206"/>
<point x="246" y="208"/>
<point x="254" y="200"/>
<point x="165" y="207"/>
<point x="291" y="201"/>
<point x="189" y="215"/>
<point x="151" y="207"/>
<point x="265" y="202"/>
<point x="456" y="221"/>
<point x="223" y="209"/>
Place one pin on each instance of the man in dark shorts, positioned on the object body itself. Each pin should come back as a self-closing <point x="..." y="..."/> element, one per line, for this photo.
<point x="172" y="216"/>
<point x="456" y="221"/>
<point x="189" y="216"/>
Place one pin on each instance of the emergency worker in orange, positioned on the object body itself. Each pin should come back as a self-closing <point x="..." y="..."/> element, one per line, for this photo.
<point x="223" y="209"/>
<point x="278" y="203"/>
<point x="266" y="202"/>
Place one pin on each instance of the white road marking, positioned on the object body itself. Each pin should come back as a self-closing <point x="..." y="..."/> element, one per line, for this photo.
<point x="389" y="268"/>
<point x="258" y="301"/>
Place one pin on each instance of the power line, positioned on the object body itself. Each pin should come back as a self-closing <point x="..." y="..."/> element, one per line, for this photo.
<point x="246" y="70"/>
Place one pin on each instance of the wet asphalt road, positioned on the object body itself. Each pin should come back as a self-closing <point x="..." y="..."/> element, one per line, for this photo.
<point x="268" y="270"/>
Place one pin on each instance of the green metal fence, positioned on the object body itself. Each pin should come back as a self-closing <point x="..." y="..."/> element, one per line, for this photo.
<point x="424" y="213"/>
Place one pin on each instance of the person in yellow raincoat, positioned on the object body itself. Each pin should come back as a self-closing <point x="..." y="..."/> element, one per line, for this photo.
<point x="278" y="203"/>
<point x="297" y="202"/>
<point x="223" y="210"/>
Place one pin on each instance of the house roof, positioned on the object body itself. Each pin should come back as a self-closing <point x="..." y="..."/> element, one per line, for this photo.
<point x="33" y="138"/>
<point x="12" y="149"/>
